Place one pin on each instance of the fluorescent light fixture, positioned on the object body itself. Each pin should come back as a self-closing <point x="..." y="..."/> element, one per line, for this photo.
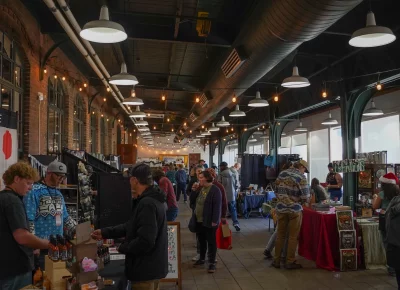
<point x="137" y="113"/>
<point x="295" y="81"/>
<point x="223" y="123"/>
<point x="123" y="78"/>
<point x="237" y="113"/>
<point x="133" y="100"/>
<point x="300" y="128"/>
<point x="141" y="123"/>
<point x="372" y="35"/>
<point x="330" y="120"/>
<point x="257" y="102"/>
<point x="213" y="128"/>
<point x="103" y="30"/>
<point x="373" y="111"/>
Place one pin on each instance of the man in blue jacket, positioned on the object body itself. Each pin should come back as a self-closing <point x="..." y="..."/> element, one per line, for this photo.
<point x="181" y="178"/>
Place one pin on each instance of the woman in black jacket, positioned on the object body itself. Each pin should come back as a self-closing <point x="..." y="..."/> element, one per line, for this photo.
<point x="393" y="236"/>
<point x="207" y="209"/>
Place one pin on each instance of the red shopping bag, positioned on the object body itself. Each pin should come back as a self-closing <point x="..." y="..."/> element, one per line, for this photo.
<point x="223" y="243"/>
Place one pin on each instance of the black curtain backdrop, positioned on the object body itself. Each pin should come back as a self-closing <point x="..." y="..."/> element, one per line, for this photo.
<point x="253" y="170"/>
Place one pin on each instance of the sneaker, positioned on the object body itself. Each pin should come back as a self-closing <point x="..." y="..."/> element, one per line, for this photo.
<point x="275" y="265"/>
<point x="196" y="258"/>
<point x="293" y="266"/>
<point x="199" y="263"/>
<point x="211" y="268"/>
<point x="237" y="227"/>
<point x="267" y="254"/>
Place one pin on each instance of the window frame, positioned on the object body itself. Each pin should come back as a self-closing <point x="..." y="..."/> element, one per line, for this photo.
<point x="57" y="89"/>
<point x="77" y="137"/>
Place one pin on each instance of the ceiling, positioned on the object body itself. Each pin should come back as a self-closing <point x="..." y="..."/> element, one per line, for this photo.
<point x="168" y="57"/>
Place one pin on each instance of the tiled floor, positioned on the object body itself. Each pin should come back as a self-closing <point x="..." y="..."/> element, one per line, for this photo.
<point x="244" y="267"/>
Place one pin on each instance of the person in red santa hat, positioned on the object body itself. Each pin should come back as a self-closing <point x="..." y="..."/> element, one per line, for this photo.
<point x="390" y="189"/>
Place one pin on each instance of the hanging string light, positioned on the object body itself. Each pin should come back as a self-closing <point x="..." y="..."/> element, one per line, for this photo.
<point x="378" y="84"/>
<point x="108" y="89"/>
<point x="63" y="78"/>
<point x="104" y="99"/>
<point x="276" y="97"/>
<point x="234" y="99"/>
<point x="45" y="71"/>
<point x="55" y="76"/>
<point x="324" y="92"/>
<point x="197" y="99"/>
<point x="85" y="85"/>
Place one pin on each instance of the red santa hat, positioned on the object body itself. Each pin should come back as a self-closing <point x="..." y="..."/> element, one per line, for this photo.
<point x="389" y="178"/>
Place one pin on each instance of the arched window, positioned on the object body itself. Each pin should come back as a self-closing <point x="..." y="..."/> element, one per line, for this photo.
<point x="78" y="123"/>
<point x="11" y="80"/>
<point x="55" y="116"/>
<point x="93" y="133"/>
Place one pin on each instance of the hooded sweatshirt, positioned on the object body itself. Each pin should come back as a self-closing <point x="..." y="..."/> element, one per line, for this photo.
<point x="146" y="237"/>
<point x="228" y="181"/>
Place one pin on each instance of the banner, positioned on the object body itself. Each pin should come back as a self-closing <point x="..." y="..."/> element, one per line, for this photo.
<point x="9" y="150"/>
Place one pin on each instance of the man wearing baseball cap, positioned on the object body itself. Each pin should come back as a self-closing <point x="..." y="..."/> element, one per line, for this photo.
<point x="146" y="237"/>
<point x="45" y="207"/>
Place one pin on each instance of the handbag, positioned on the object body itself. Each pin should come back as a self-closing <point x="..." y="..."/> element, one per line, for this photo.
<point x="222" y="242"/>
<point x="193" y="225"/>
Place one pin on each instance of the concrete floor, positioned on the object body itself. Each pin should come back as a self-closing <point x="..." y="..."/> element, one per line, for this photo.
<point x="244" y="267"/>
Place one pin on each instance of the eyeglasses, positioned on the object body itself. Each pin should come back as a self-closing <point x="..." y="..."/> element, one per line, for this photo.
<point x="60" y="176"/>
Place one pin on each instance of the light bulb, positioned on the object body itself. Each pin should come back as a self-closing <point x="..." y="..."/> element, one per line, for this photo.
<point x="107" y="119"/>
<point x="168" y="120"/>
<point x="202" y="126"/>
<point x="93" y="113"/>
<point x="80" y="89"/>
<point x="184" y="124"/>
<point x="197" y="99"/>
<point x="45" y="71"/>
<point x="63" y="78"/>
<point x="172" y="130"/>
<point x="234" y="99"/>
<point x="85" y="85"/>
<point x="102" y="115"/>
<point x="276" y="98"/>
<point x="379" y="86"/>
<point x="108" y="89"/>
<point x="148" y="115"/>
<point x="104" y="99"/>
<point x="119" y="120"/>
<point x="190" y="131"/>
<point x="55" y="76"/>
<point x="324" y="94"/>
<point x="154" y="127"/>
<point x="163" y="98"/>
<point x="245" y="129"/>
<point x="232" y="129"/>
<point x="227" y="131"/>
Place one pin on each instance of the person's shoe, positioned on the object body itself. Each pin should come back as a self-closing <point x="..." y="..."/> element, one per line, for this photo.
<point x="196" y="258"/>
<point x="267" y="254"/>
<point x="293" y="266"/>
<point x="275" y="265"/>
<point x="199" y="263"/>
<point x="237" y="227"/>
<point x="211" y="268"/>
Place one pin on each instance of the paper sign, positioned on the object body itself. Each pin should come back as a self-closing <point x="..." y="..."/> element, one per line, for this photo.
<point x="173" y="269"/>
<point x="83" y="232"/>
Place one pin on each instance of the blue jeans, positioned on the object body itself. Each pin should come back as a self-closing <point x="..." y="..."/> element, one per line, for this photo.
<point x="181" y="188"/>
<point x="16" y="282"/>
<point x="232" y="210"/>
<point x="172" y="213"/>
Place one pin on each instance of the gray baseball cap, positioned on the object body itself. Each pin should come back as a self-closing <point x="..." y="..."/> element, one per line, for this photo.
<point x="57" y="167"/>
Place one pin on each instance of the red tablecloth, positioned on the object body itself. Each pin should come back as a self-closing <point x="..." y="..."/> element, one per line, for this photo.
<point x="319" y="239"/>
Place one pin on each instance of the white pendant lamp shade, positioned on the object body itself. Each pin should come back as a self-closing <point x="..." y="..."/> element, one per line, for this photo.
<point x="137" y="113"/>
<point x="133" y="100"/>
<point x="103" y="30"/>
<point x="264" y="137"/>
<point x="143" y="129"/>
<point x="300" y="128"/>
<point x="283" y="134"/>
<point x="213" y="128"/>
<point x="237" y="113"/>
<point x="146" y="134"/>
<point x="252" y="139"/>
<point x="373" y="111"/>
<point x="257" y="102"/>
<point x="206" y="133"/>
<point x="200" y="136"/>
<point x="223" y="123"/>
<point x="123" y="78"/>
<point x="295" y="81"/>
<point x="329" y="121"/>
<point x="141" y="122"/>
<point x="372" y="35"/>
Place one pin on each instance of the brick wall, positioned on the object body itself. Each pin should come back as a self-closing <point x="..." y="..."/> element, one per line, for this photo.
<point x="17" y="22"/>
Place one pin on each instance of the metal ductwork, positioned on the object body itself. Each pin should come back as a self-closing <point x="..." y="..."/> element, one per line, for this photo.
<point x="274" y="30"/>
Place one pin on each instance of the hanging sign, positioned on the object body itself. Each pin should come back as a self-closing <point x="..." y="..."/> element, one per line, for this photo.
<point x="349" y="165"/>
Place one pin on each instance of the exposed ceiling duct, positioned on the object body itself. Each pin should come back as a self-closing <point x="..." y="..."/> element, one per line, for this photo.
<point x="277" y="29"/>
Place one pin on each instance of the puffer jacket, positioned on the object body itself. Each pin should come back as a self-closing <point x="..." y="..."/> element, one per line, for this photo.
<point x="227" y="180"/>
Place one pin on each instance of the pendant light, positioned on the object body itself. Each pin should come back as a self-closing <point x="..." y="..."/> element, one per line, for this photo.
<point x="123" y="78"/>
<point x="283" y="134"/>
<point x="200" y="136"/>
<point x="329" y="120"/>
<point x="257" y="102"/>
<point x="373" y="111"/>
<point x="133" y="100"/>
<point x="252" y="139"/>
<point x="141" y="122"/>
<point x="137" y="113"/>
<point x="295" y="81"/>
<point x="143" y="129"/>
<point x="223" y="123"/>
<point x="206" y="133"/>
<point x="103" y="30"/>
<point x="213" y="128"/>
<point x="237" y="113"/>
<point x="146" y="134"/>
<point x="264" y="137"/>
<point x="372" y="35"/>
<point x="300" y="128"/>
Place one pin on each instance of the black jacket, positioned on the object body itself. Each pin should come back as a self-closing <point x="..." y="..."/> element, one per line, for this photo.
<point x="212" y="205"/>
<point x="146" y="237"/>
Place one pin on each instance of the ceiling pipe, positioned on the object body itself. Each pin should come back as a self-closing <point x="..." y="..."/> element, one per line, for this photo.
<point x="282" y="27"/>
<point x="67" y="28"/>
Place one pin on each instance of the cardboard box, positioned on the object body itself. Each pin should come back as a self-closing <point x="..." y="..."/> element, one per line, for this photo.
<point x="81" y="251"/>
<point x="84" y="278"/>
<point x="51" y="265"/>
